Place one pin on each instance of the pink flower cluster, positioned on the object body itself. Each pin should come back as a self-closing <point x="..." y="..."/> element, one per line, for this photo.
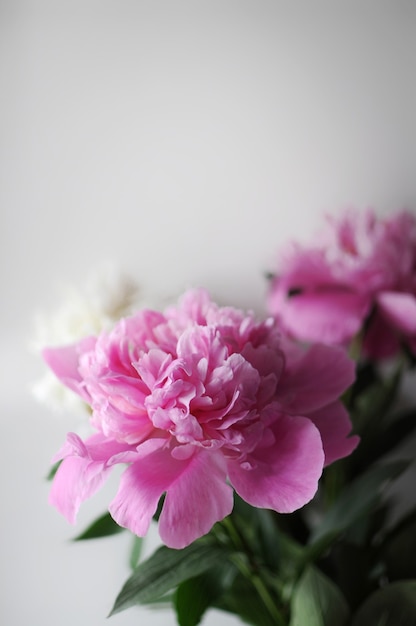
<point x="198" y="401"/>
<point x="359" y="276"/>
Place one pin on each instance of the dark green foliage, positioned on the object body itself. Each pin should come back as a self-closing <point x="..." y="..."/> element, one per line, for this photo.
<point x="317" y="601"/>
<point x="399" y="549"/>
<point x="165" y="570"/>
<point x="356" y="501"/>
<point x="104" y="526"/>
<point x="393" y="605"/>
<point x="195" y="595"/>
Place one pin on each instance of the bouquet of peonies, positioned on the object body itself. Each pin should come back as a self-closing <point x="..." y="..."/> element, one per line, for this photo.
<point x="263" y="449"/>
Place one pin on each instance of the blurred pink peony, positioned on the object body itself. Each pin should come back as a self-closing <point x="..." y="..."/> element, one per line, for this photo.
<point x="360" y="275"/>
<point x="198" y="401"/>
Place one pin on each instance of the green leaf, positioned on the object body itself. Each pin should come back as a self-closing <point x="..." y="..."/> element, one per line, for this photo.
<point x="165" y="570"/>
<point x="257" y="530"/>
<point x="51" y="474"/>
<point x="399" y="549"/>
<point x="267" y="535"/>
<point x="354" y="569"/>
<point x="104" y="526"/>
<point x="387" y="437"/>
<point x="135" y="551"/>
<point x="357" y="499"/>
<point x="269" y="538"/>
<point x="366" y="377"/>
<point x="393" y="605"/>
<point x="195" y="595"/>
<point x="243" y="599"/>
<point x="159" y="508"/>
<point x="374" y="403"/>
<point x="317" y="601"/>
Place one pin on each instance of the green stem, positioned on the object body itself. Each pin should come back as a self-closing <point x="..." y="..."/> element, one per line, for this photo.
<point x="247" y="571"/>
<point x="355" y="348"/>
<point x="333" y="483"/>
<point x="268" y="600"/>
<point x="261" y="589"/>
<point x="233" y="533"/>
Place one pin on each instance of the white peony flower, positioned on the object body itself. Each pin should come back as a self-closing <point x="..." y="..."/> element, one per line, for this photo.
<point x="108" y="295"/>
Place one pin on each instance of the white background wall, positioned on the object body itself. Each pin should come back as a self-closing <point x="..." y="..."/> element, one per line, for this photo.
<point x="185" y="140"/>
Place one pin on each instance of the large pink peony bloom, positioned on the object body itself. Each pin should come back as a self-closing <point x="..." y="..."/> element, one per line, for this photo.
<point x="198" y="401"/>
<point x="359" y="276"/>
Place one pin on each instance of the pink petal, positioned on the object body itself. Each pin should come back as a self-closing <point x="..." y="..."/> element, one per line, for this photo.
<point x="83" y="471"/>
<point x="64" y="362"/>
<point x="139" y="492"/>
<point x="380" y="340"/>
<point x="196" y="502"/>
<point x="328" y="316"/>
<point x="300" y="267"/>
<point x="284" y="476"/>
<point x="76" y="480"/>
<point x="197" y="496"/>
<point x="314" y="378"/>
<point x="334" y="425"/>
<point x="400" y="310"/>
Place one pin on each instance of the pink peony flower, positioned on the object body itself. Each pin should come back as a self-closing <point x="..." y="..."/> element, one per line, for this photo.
<point x="359" y="276"/>
<point x="199" y="401"/>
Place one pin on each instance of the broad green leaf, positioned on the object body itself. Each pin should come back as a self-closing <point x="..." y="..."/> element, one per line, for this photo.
<point x="317" y="601"/>
<point x="104" y="526"/>
<point x="393" y="605"/>
<point x="165" y="570"/>
<point x="195" y="595"/>
<point x="357" y="499"/>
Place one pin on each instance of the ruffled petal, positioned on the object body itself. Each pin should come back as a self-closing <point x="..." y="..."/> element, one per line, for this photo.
<point x="334" y="425"/>
<point x="283" y="475"/>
